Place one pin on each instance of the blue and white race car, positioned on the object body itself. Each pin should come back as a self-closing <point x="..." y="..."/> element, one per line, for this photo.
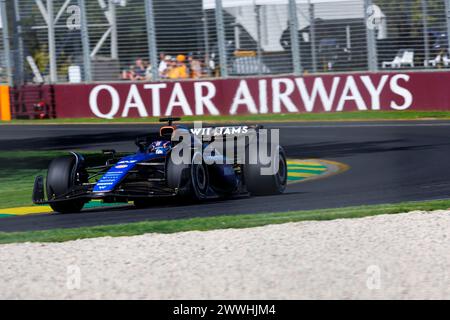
<point x="156" y="170"/>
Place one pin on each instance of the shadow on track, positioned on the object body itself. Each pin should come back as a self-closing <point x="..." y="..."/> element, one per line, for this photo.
<point x="335" y="150"/>
<point x="69" y="142"/>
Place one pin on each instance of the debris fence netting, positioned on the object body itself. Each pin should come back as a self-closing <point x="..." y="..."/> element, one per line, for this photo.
<point x="53" y="41"/>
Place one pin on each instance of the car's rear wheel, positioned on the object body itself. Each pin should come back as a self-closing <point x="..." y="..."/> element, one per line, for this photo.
<point x="261" y="181"/>
<point x="61" y="177"/>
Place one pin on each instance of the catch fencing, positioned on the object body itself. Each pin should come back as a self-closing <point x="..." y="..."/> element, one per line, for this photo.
<point x="60" y="41"/>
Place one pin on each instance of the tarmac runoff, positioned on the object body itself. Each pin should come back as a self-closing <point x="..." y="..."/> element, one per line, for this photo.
<point x="299" y="171"/>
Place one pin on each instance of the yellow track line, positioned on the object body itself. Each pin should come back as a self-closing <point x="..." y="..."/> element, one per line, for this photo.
<point x="22" y="211"/>
<point x="306" y="168"/>
<point x="302" y="175"/>
<point x="306" y="164"/>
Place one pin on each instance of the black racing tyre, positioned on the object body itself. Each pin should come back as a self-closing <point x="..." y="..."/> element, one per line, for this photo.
<point x="264" y="185"/>
<point x="60" y="180"/>
<point x="178" y="174"/>
<point x="199" y="177"/>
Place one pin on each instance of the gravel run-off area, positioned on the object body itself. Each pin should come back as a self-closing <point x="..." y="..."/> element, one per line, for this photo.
<point x="405" y="256"/>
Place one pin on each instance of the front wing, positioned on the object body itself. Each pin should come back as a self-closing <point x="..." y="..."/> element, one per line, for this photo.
<point x="86" y="192"/>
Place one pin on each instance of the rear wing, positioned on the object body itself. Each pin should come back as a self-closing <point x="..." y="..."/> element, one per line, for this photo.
<point x="217" y="133"/>
<point x="232" y="142"/>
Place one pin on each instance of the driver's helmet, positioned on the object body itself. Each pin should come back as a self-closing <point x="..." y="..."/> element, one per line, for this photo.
<point x="160" y="147"/>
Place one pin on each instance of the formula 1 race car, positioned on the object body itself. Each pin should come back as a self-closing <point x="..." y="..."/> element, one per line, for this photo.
<point x="156" y="171"/>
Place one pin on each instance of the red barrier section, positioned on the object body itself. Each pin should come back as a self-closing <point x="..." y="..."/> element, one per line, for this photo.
<point x="24" y="101"/>
<point x="327" y="93"/>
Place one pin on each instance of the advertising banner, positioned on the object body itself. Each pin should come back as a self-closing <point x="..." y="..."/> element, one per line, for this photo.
<point x="265" y="95"/>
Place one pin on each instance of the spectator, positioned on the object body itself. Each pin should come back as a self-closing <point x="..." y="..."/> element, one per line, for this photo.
<point x="148" y="72"/>
<point x="213" y="68"/>
<point x="139" y="70"/>
<point x="163" y="65"/>
<point x="181" y="66"/>
<point x="195" y="67"/>
<point x="178" y="68"/>
<point x="172" y="72"/>
<point x="128" y="74"/>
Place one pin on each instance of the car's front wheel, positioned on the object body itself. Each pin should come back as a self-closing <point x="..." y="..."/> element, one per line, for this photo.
<point x="61" y="178"/>
<point x="199" y="177"/>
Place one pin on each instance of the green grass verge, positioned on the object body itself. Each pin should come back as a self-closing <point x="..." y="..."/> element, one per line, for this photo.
<point x="17" y="173"/>
<point x="337" y="116"/>
<point x="215" y="223"/>
<point x="16" y="188"/>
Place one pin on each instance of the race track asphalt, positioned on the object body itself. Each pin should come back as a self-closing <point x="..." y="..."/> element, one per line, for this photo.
<point x="389" y="162"/>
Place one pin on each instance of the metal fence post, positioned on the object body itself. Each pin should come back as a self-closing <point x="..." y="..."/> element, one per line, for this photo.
<point x="295" y="44"/>
<point x="6" y="46"/>
<point x="114" y="36"/>
<point x="312" y="28"/>
<point x="425" y="31"/>
<point x="259" y="38"/>
<point x="151" y="38"/>
<point x="19" y="64"/>
<point x="51" y="42"/>
<point x="447" y="15"/>
<point x="206" y="40"/>
<point x="220" y="27"/>
<point x="85" y="42"/>
<point x="371" y="39"/>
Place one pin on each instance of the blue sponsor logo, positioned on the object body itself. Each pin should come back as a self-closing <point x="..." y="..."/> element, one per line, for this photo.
<point x="117" y="173"/>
